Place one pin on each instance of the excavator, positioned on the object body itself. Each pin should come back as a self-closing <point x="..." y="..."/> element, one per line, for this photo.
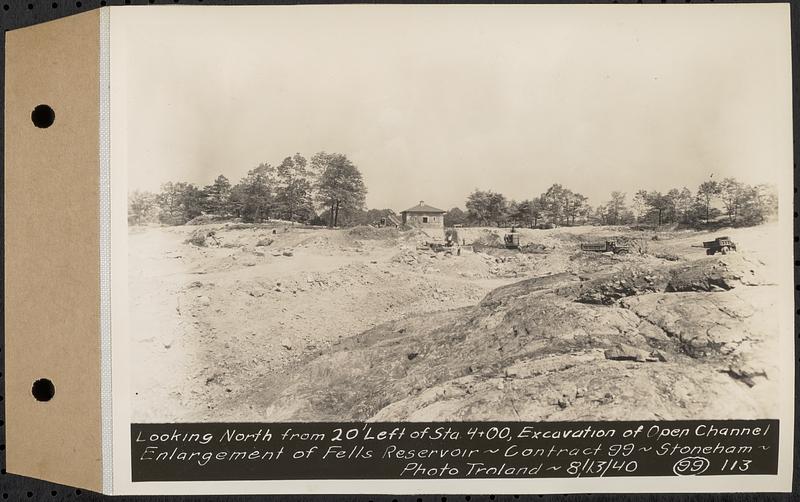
<point x="511" y="239"/>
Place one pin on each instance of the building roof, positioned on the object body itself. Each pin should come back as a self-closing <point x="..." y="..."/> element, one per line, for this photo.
<point x="423" y="208"/>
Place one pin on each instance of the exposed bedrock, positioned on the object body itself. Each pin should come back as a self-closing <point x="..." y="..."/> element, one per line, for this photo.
<point x="686" y="341"/>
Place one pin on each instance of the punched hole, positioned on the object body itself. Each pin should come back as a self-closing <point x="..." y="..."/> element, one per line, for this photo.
<point x="43" y="389"/>
<point x="43" y="116"/>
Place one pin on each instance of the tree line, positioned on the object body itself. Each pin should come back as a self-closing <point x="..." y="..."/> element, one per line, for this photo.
<point x="728" y="201"/>
<point x="328" y="189"/>
<point x="289" y="191"/>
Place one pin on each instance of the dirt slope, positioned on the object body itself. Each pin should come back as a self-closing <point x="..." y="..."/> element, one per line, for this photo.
<point x="280" y="323"/>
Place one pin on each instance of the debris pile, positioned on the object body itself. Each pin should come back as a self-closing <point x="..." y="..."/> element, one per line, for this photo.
<point x="374" y="233"/>
<point x="201" y="237"/>
<point x="488" y="238"/>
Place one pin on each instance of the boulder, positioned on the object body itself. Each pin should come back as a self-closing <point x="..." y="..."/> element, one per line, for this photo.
<point x="623" y="352"/>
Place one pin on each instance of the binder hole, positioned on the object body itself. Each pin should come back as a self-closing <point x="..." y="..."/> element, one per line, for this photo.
<point x="43" y="389"/>
<point x="43" y="116"/>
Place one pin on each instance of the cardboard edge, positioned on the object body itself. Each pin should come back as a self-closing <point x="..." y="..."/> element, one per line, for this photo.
<point x="52" y="260"/>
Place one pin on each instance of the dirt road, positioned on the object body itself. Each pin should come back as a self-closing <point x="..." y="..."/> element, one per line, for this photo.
<point x="312" y="324"/>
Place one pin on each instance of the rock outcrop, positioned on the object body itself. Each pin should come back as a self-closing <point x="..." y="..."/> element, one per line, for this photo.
<point x="691" y="340"/>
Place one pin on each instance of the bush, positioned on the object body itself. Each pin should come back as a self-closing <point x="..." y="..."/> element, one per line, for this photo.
<point x="203" y="219"/>
<point x="198" y="238"/>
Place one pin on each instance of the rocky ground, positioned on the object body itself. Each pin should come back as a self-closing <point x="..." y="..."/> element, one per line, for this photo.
<point x="280" y="323"/>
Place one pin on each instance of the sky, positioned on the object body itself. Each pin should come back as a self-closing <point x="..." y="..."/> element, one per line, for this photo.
<point x="432" y="102"/>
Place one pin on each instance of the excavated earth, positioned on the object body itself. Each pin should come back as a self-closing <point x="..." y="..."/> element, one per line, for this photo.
<point x="688" y="341"/>
<point x="393" y="333"/>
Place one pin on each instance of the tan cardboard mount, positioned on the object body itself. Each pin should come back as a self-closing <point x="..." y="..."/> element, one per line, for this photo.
<point x="52" y="258"/>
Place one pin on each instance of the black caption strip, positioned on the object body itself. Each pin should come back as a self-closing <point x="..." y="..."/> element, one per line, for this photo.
<point x="481" y="450"/>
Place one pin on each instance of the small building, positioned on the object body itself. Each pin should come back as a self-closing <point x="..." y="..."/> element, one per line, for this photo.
<point x="423" y="216"/>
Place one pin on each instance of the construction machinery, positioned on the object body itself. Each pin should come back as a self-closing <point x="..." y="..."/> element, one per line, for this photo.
<point x="719" y="245"/>
<point x="450" y="237"/>
<point x="511" y="240"/>
<point x="609" y="246"/>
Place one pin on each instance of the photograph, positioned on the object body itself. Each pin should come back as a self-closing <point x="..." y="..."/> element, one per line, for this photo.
<point x="388" y="214"/>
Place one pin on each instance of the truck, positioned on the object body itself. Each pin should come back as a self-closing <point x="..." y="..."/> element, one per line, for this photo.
<point x="609" y="246"/>
<point x="719" y="245"/>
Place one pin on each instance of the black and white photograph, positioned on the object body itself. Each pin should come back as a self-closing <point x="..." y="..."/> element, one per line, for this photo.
<point x="399" y="250"/>
<point x="456" y="213"/>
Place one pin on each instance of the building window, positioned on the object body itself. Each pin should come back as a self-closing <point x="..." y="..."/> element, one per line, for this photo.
<point x="424" y="219"/>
